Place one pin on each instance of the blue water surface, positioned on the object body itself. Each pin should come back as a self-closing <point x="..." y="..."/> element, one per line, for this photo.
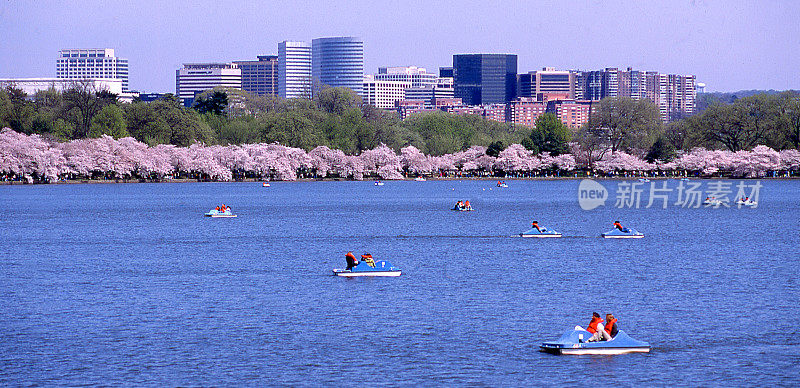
<point x="128" y="284"/>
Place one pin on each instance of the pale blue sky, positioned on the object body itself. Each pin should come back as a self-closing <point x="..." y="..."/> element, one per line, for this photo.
<point x="729" y="45"/>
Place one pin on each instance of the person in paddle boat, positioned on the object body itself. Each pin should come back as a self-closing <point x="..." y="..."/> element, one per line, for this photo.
<point x="367" y="258"/>
<point x="459" y="205"/>
<point x="598" y="331"/>
<point x="535" y="225"/>
<point x="611" y="325"/>
<point x="351" y="260"/>
<point x="466" y="205"/>
<point x="619" y="226"/>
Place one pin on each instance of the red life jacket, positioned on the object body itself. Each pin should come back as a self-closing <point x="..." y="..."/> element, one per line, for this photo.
<point x="593" y="325"/>
<point x="609" y="325"/>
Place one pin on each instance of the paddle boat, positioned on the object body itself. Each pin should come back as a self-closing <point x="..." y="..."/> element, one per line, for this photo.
<point x="644" y="180"/>
<point x="419" y="179"/>
<point x="460" y="207"/>
<point x="746" y="202"/>
<point x="378" y="183"/>
<point x="574" y="342"/>
<point x="382" y="268"/>
<point x="540" y="233"/>
<point x="265" y="184"/>
<point x="214" y="213"/>
<point x="712" y="201"/>
<point x="502" y="184"/>
<point x="624" y="233"/>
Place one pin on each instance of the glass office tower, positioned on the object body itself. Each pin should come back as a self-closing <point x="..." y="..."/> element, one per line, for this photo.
<point x="338" y="62"/>
<point x="482" y="79"/>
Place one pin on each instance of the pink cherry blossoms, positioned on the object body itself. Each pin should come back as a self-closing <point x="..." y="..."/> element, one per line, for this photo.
<point x="32" y="158"/>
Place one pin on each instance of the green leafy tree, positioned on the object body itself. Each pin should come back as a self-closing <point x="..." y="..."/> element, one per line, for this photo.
<point x="337" y="100"/>
<point x="626" y="123"/>
<point x="16" y="112"/>
<point x="216" y="103"/>
<point x="549" y="135"/>
<point x="146" y="123"/>
<point x="109" y="121"/>
<point x="85" y="101"/>
<point x="662" y="150"/>
<point x="742" y="125"/>
<point x="495" y="148"/>
<point x="790" y="120"/>
<point x="592" y="145"/>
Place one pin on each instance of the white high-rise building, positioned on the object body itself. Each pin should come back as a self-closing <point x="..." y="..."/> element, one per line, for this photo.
<point x="92" y="63"/>
<point x="418" y="76"/>
<point x="194" y="78"/>
<point x="383" y="94"/>
<point x="294" y="69"/>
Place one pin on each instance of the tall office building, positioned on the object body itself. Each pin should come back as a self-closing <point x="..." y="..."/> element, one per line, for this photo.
<point x="260" y="77"/>
<point x="294" y="69"/>
<point x="195" y="78"/>
<point x="482" y="79"/>
<point x="92" y="63"/>
<point x="338" y="62"/>
<point x="547" y="81"/>
<point x="383" y="93"/>
<point x="446" y="72"/>
<point x="418" y="76"/>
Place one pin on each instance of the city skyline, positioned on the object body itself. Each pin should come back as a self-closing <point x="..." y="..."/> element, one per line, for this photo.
<point x="729" y="47"/>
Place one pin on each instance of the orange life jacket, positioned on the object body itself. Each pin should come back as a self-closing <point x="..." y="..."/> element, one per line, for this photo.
<point x="592" y="328"/>
<point x="466" y="203"/>
<point x="609" y="325"/>
<point x="350" y="255"/>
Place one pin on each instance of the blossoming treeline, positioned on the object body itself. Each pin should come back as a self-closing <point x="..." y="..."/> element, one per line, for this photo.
<point x="32" y="158"/>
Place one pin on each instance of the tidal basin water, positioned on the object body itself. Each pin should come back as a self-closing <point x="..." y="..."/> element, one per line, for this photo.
<point x="128" y="284"/>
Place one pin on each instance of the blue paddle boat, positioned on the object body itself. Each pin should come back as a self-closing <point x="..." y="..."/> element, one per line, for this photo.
<point x="382" y="268"/>
<point x="574" y="342"/>
<point x="462" y="207"/>
<point x="544" y="233"/>
<point x="624" y="233"/>
<point x="214" y="213"/>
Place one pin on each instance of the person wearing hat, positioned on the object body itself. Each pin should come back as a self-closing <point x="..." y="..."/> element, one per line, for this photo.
<point x="535" y="225"/>
<point x="598" y="332"/>
<point x="367" y="258"/>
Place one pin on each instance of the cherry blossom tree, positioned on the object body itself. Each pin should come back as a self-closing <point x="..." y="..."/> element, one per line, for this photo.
<point x="29" y="156"/>
<point x="383" y="161"/>
<point x="415" y="161"/>
<point x="517" y="158"/>
<point x="756" y="163"/>
<point x="564" y="162"/>
<point x="621" y="161"/>
<point x="790" y="160"/>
